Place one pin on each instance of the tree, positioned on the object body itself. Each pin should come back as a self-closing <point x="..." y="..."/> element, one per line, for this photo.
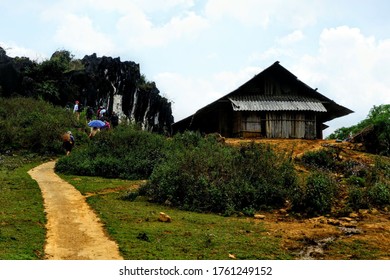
<point x="377" y="125"/>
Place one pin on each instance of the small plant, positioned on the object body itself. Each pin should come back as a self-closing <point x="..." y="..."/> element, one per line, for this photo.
<point x="356" y="181"/>
<point x="322" y="159"/>
<point x="357" y="198"/>
<point x="317" y="196"/>
<point x="379" y="194"/>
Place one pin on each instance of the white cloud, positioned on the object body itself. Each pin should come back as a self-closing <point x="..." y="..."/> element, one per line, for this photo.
<point x="350" y="68"/>
<point x="264" y="13"/>
<point x="79" y="34"/>
<point x="190" y="94"/>
<point x="122" y="24"/>
<point x="14" y="50"/>
<point x="291" y="38"/>
<point x="139" y="32"/>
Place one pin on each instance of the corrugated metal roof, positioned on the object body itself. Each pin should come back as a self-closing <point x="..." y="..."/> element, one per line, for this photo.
<point x="276" y="103"/>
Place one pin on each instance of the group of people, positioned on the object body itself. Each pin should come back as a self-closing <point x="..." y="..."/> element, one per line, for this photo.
<point x="110" y="120"/>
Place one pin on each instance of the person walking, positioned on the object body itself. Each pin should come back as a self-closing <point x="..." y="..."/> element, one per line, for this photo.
<point x="114" y="120"/>
<point x="76" y="109"/>
<point x="89" y="114"/>
<point x="68" y="142"/>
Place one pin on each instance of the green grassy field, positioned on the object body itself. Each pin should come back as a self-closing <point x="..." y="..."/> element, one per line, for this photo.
<point x="190" y="236"/>
<point x="22" y="218"/>
<point x="136" y="228"/>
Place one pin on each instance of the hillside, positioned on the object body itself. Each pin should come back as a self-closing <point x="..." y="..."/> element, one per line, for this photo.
<point x="335" y="236"/>
<point x="298" y="146"/>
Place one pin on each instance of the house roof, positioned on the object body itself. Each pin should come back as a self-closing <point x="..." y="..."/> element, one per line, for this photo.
<point x="309" y="99"/>
<point x="276" y="103"/>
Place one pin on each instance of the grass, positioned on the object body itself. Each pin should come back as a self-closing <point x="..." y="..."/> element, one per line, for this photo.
<point x="357" y="250"/>
<point x="92" y="185"/>
<point x="135" y="226"/>
<point x="22" y="218"/>
<point x="190" y="236"/>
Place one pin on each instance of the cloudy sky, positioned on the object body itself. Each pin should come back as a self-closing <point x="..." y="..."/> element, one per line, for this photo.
<point x="199" y="50"/>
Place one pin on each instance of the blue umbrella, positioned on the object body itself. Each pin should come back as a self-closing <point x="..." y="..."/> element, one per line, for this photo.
<point x="96" y="123"/>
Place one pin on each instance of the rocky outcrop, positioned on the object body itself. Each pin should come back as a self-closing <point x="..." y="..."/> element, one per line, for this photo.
<point x="94" y="81"/>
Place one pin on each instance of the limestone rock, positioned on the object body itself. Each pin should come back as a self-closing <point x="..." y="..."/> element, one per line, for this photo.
<point x="164" y="218"/>
<point x="94" y="81"/>
<point x="259" y="216"/>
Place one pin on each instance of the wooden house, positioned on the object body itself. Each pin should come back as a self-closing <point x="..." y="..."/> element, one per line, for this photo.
<point x="273" y="104"/>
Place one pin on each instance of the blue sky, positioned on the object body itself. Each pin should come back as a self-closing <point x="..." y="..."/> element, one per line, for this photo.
<point x="198" y="51"/>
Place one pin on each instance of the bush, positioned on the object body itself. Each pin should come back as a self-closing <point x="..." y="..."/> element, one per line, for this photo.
<point x="356" y="181"/>
<point x="34" y="125"/>
<point x="317" y="196"/>
<point x="357" y="198"/>
<point x="201" y="174"/>
<point x="379" y="194"/>
<point x="123" y="152"/>
<point x="322" y="159"/>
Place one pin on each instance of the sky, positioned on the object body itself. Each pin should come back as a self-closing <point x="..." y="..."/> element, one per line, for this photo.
<point x="197" y="51"/>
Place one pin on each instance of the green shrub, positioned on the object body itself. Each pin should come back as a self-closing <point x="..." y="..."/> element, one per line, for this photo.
<point x="356" y="181"/>
<point x="357" y="198"/>
<point x="34" y="125"/>
<point x="317" y="196"/>
<point x="379" y="194"/>
<point x="201" y="174"/>
<point x="122" y="152"/>
<point x="323" y="159"/>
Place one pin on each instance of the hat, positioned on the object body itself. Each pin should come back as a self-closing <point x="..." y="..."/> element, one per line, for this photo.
<point x="69" y="132"/>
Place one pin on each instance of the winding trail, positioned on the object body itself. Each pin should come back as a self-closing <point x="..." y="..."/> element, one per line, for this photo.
<point x="74" y="232"/>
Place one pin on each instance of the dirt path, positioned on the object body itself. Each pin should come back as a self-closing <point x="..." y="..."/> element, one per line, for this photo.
<point x="74" y="232"/>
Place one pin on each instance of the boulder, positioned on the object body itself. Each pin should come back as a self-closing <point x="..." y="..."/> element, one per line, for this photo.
<point x="164" y="218"/>
<point x="259" y="217"/>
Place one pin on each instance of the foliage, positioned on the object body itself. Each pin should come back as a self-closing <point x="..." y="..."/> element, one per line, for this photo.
<point x="357" y="198"/>
<point x="318" y="194"/>
<point x="201" y="174"/>
<point x="123" y="152"/>
<point x="46" y="81"/>
<point x="323" y="159"/>
<point x="379" y="194"/>
<point x="378" y="120"/>
<point x="29" y="124"/>
<point x="373" y="188"/>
